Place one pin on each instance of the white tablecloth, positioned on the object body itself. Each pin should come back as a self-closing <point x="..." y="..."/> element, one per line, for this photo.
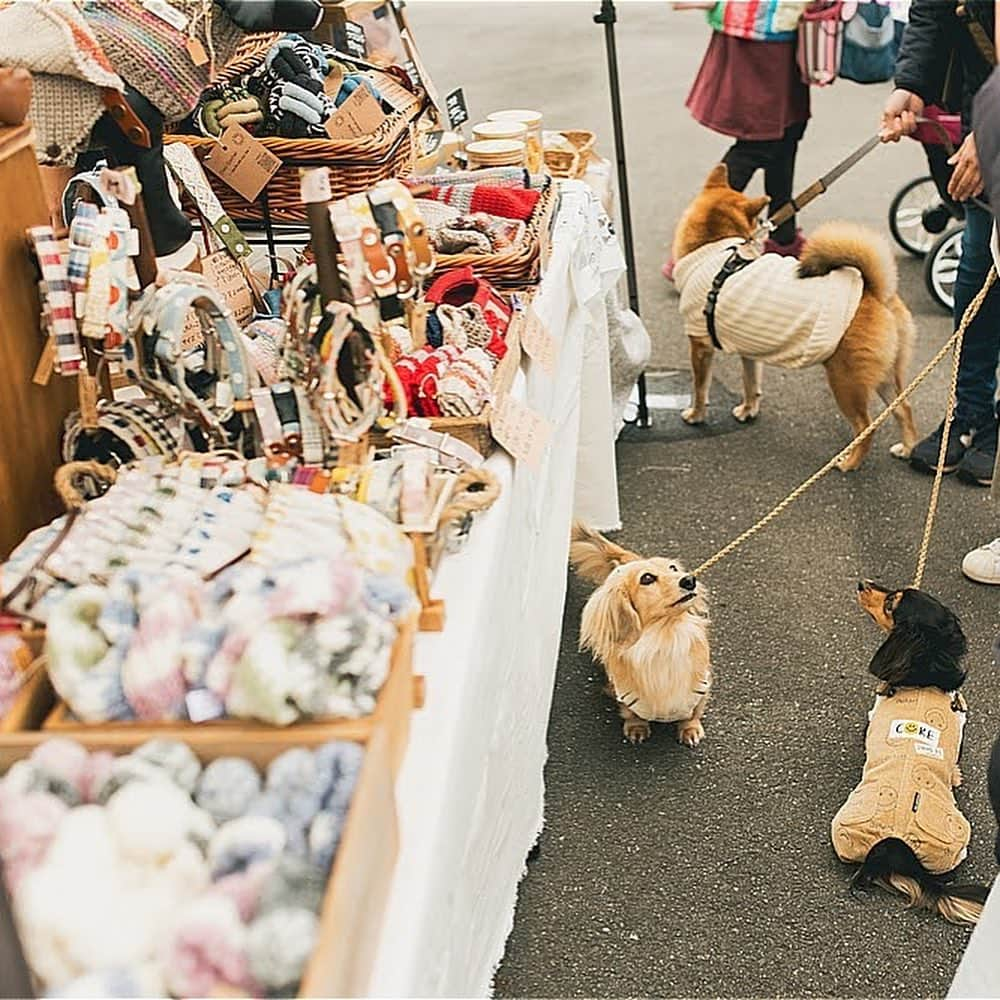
<point x="470" y="793"/>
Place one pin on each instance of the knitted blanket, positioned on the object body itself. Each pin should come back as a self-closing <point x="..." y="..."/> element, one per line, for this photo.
<point x="766" y="312"/>
<point x="70" y="70"/>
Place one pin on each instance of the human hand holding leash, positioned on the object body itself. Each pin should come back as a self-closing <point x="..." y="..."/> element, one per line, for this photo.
<point x="966" y="180"/>
<point x="899" y="116"/>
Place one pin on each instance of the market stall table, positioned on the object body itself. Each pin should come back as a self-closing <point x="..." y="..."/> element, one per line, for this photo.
<point x="471" y="791"/>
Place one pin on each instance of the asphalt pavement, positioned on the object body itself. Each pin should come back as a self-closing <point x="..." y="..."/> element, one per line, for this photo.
<point x="709" y="873"/>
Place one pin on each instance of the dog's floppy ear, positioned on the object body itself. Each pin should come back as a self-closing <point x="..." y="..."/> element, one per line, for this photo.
<point x="718" y="178"/>
<point x="609" y="621"/>
<point x="918" y="655"/>
<point x="894" y="659"/>
<point x="755" y="206"/>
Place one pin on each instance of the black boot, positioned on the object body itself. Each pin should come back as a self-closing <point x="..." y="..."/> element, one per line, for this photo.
<point x="170" y="229"/>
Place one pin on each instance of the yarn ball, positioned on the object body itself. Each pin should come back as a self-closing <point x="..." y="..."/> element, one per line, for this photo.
<point x="244" y="887"/>
<point x="143" y="980"/>
<point x="99" y="767"/>
<point x="338" y="765"/>
<point x="277" y="807"/>
<point x="280" y="944"/>
<point x="153" y="821"/>
<point x="29" y="776"/>
<point x="244" y="841"/>
<point x="28" y="823"/>
<point x="227" y="787"/>
<point x="324" y="839"/>
<point x="176" y="758"/>
<point x="122" y="771"/>
<point x="293" y="775"/>
<point x="206" y="949"/>
<point x="293" y="882"/>
<point x="388" y="596"/>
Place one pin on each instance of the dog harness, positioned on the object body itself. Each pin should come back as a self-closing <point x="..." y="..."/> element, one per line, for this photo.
<point x="765" y="311"/>
<point x="912" y="747"/>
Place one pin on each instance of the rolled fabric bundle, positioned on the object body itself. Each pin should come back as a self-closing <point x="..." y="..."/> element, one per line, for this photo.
<point x="205" y="951"/>
<point x="293" y="882"/>
<point x="84" y="667"/>
<point x="280" y="944"/>
<point x="63" y="765"/>
<point x="242" y="842"/>
<point x="227" y="787"/>
<point x="174" y="757"/>
<point x="153" y="822"/>
<point x="28" y="824"/>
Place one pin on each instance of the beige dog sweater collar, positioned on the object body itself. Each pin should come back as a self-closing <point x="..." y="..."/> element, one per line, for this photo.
<point x="765" y="311"/>
<point x="912" y="746"/>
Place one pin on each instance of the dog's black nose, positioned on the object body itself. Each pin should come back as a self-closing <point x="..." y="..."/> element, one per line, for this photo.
<point x="687" y="583"/>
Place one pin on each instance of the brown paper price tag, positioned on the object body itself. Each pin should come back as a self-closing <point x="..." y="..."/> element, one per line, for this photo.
<point x="538" y="343"/>
<point x="359" y="115"/>
<point x="520" y="430"/>
<point x="87" y="387"/>
<point x="242" y="162"/>
<point x="196" y="50"/>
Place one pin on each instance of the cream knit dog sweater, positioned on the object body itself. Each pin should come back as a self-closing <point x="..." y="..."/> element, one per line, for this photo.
<point x="766" y="312"/>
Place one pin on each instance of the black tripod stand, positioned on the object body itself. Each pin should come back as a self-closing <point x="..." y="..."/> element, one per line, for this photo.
<point x="608" y="16"/>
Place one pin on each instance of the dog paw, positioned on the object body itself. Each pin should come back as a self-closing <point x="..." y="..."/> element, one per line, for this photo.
<point x="849" y="463"/>
<point x="693" y="416"/>
<point x="746" y="413"/>
<point x="636" y="731"/>
<point x="900" y="450"/>
<point x="690" y="733"/>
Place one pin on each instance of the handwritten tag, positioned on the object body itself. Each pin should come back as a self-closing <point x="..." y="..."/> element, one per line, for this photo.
<point x="520" y="431"/>
<point x="538" y="343"/>
<point x="359" y="115"/>
<point x="87" y="389"/>
<point x="242" y="162"/>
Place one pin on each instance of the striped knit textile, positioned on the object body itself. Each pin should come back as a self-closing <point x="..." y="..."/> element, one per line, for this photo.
<point x="766" y="312"/>
<point x="151" y="54"/>
<point x="760" y="20"/>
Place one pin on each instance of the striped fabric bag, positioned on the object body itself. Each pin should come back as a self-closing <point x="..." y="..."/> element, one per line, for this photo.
<point x="759" y="20"/>
<point x="821" y="42"/>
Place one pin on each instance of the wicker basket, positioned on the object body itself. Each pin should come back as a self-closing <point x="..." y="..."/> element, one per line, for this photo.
<point x="562" y="163"/>
<point x="519" y="267"/>
<point x="355" y="166"/>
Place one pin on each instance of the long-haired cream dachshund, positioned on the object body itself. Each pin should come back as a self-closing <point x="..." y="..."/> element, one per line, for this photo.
<point x="647" y="624"/>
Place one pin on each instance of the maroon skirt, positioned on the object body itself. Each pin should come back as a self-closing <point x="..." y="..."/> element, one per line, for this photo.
<point x="748" y="89"/>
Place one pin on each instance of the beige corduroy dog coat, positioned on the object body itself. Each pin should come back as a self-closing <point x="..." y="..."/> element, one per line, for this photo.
<point x="912" y="746"/>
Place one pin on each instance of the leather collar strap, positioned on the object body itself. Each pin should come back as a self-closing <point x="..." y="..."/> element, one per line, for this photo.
<point x="92" y="180"/>
<point x="141" y="433"/>
<point x="58" y="296"/>
<point x="734" y="263"/>
<point x="347" y="228"/>
<point x="387" y="219"/>
<point x="380" y="270"/>
<point x="190" y="175"/>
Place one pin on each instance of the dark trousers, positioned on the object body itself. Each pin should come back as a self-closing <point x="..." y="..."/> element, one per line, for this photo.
<point x="977" y="373"/>
<point x="776" y="157"/>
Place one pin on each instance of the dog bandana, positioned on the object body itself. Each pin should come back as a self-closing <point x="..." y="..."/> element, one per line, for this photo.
<point x="912" y="748"/>
<point x="765" y="311"/>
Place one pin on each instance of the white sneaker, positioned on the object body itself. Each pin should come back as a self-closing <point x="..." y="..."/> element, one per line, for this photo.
<point x="983" y="564"/>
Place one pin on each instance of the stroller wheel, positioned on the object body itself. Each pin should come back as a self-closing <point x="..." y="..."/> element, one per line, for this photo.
<point x="906" y="215"/>
<point x="941" y="266"/>
<point x="937" y="218"/>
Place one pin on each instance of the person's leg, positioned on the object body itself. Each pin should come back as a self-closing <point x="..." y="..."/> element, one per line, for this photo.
<point x="743" y="159"/>
<point x="779" y="180"/>
<point x="977" y="376"/>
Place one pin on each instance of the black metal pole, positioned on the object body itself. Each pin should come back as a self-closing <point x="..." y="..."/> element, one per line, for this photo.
<point x="607" y="16"/>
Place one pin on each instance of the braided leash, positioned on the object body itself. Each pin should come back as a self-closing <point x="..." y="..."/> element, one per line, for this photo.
<point x="954" y="341"/>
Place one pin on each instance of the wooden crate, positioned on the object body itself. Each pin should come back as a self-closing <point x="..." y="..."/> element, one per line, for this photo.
<point x="358" y="890"/>
<point x="258" y="742"/>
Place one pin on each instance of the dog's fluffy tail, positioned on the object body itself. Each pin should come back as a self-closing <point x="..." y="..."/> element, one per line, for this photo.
<point x="892" y="864"/>
<point x="846" y="244"/>
<point x="593" y="556"/>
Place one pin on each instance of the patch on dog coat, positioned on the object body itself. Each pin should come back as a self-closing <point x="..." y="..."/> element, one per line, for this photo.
<point x="765" y="311"/>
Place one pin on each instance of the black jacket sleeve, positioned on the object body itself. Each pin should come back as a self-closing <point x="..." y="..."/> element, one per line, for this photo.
<point x="273" y="15"/>
<point x="926" y="48"/>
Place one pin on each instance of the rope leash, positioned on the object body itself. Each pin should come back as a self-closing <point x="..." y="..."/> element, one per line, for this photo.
<point x="954" y="341"/>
